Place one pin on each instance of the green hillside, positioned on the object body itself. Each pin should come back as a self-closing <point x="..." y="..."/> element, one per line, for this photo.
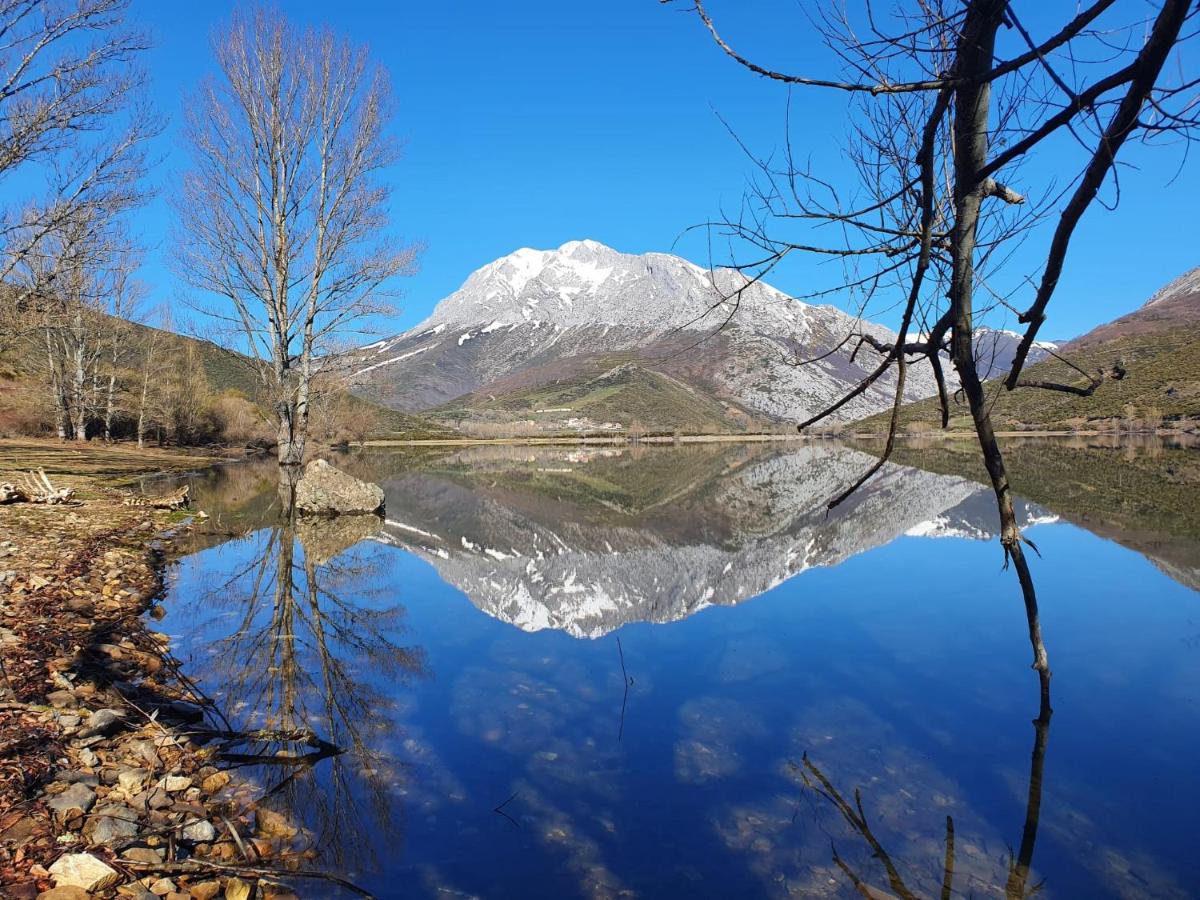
<point x="1157" y="345"/>
<point x="619" y="395"/>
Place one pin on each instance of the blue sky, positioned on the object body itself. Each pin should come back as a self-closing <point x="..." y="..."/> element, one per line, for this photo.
<point x="535" y="122"/>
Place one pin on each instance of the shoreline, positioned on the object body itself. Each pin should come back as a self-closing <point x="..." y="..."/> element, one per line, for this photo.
<point x="110" y="784"/>
<point x="731" y="438"/>
<point x="596" y="440"/>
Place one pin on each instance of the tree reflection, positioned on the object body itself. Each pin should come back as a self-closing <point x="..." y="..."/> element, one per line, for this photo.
<point x="298" y="678"/>
<point x="1016" y="884"/>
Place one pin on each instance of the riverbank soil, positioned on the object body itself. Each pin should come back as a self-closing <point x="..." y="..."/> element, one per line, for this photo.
<point x="108" y="786"/>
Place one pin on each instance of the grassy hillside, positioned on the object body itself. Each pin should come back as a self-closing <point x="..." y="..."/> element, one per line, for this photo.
<point x="610" y="394"/>
<point x="1159" y="347"/>
<point x="22" y="395"/>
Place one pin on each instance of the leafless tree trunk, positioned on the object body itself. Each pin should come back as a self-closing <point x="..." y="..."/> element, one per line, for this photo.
<point x="283" y="212"/>
<point x="143" y="400"/>
<point x="122" y="308"/>
<point x="946" y="100"/>
<point x="74" y="279"/>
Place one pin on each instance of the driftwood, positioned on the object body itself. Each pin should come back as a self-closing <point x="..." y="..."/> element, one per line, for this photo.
<point x="178" y="500"/>
<point x="34" y="489"/>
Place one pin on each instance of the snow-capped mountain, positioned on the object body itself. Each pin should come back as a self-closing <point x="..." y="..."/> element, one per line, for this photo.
<point x="584" y="332"/>
<point x="996" y="348"/>
<point x="537" y="561"/>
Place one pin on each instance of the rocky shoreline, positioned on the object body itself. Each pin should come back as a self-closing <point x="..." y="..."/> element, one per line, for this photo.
<point x="110" y="777"/>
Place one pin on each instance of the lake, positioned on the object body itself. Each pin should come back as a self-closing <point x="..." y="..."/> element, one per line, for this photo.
<point x="668" y="672"/>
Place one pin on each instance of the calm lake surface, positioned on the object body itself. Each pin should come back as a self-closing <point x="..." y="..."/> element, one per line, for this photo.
<point x="666" y="672"/>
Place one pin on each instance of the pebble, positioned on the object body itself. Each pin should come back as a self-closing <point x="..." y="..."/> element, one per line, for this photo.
<point x="271" y="824"/>
<point x="82" y="870"/>
<point x="101" y="722"/>
<point x="173" y="784"/>
<point x="214" y="783"/>
<point x="110" y="822"/>
<point x="60" y="699"/>
<point x="143" y="854"/>
<point x="205" y="890"/>
<point x="200" y="832"/>
<point x="71" y="804"/>
<point x="66" y="892"/>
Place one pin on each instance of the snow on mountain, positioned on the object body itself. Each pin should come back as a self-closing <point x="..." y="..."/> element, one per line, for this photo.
<point x="584" y="283"/>
<point x="546" y="316"/>
<point x="996" y="348"/>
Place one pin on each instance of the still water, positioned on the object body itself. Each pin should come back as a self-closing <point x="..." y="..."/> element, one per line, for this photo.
<point x="669" y="673"/>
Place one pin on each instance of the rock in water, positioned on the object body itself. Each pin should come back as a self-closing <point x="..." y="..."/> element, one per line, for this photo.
<point x="324" y="490"/>
<point x="82" y="870"/>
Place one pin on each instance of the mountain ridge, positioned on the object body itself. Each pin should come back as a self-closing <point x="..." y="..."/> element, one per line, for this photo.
<point x="537" y="317"/>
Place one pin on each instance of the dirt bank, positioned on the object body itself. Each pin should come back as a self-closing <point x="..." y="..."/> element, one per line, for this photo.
<point x="111" y="781"/>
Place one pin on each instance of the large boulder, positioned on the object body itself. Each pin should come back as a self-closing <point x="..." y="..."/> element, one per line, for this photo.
<point x="324" y="490"/>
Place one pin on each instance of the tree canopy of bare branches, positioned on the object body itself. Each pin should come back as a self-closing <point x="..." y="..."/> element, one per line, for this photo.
<point x="72" y="144"/>
<point x="284" y="212"/>
<point x="948" y="103"/>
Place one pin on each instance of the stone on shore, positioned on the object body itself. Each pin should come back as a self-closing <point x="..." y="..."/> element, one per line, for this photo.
<point x="110" y="822"/>
<point x="82" y="870"/>
<point x="65" y="892"/>
<point x="102" y="721"/>
<point x="199" y="832"/>
<point x="71" y="804"/>
<point x="325" y="490"/>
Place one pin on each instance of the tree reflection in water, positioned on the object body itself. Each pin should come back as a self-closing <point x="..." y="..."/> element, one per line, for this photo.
<point x="1016" y="885"/>
<point x="298" y="674"/>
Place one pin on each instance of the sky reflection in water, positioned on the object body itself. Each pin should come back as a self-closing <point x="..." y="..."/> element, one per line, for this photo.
<point x="467" y="656"/>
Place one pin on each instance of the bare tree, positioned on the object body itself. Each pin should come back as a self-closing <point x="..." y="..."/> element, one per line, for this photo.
<point x="124" y="299"/>
<point x="76" y="284"/>
<point x="73" y="126"/>
<point x="283" y="212"/>
<point x="152" y="365"/>
<point x="947" y="101"/>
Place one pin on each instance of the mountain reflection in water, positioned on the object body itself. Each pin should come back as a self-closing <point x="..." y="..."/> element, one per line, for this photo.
<point x="862" y="728"/>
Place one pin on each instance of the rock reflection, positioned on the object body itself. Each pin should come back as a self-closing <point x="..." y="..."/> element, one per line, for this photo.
<point x="297" y="678"/>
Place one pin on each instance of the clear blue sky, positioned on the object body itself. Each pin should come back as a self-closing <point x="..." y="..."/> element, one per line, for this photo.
<point x="535" y="122"/>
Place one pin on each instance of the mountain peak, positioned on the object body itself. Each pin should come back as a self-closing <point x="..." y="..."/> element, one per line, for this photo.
<point x="587" y="245"/>
<point x="584" y="283"/>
